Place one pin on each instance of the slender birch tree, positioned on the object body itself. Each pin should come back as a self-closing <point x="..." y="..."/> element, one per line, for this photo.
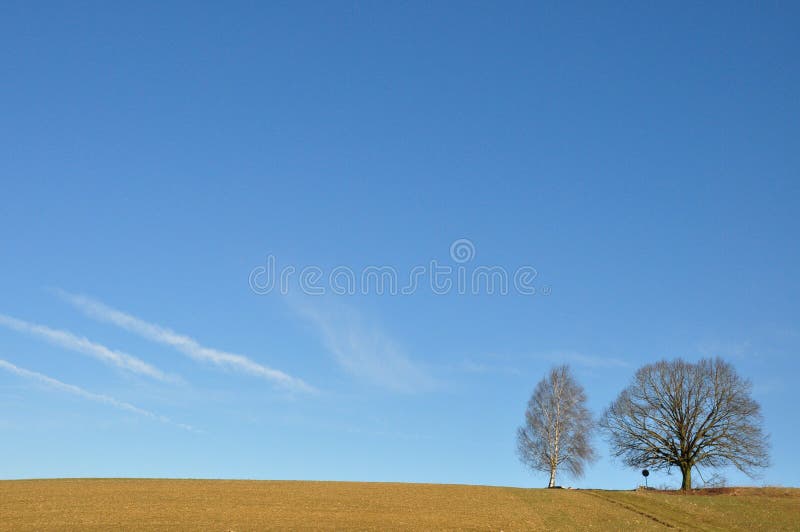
<point x="687" y="415"/>
<point x="558" y="427"/>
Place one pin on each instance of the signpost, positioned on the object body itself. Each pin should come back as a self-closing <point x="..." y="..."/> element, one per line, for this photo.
<point x="645" y="474"/>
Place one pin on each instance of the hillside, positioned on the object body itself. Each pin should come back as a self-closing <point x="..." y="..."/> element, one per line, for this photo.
<point x="132" y="504"/>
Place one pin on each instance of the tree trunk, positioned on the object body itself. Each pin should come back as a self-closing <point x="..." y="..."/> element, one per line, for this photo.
<point x="552" y="477"/>
<point x="686" y="471"/>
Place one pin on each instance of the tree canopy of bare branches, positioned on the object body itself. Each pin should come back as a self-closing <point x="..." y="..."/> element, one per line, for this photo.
<point x="558" y="426"/>
<point x="687" y="415"/>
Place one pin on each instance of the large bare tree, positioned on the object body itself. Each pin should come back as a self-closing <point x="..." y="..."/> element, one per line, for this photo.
<point x="558" y="426"/>
<point x="687" y="415"/>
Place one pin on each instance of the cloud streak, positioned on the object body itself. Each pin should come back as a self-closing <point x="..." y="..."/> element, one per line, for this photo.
<point x="80" y="392"/>
<point x="182" y="343"/>
<point x="481" y="368"/>
<point x="588" y="361"/>
<point x="79" y="344"/>
<point x="364" y="352"/>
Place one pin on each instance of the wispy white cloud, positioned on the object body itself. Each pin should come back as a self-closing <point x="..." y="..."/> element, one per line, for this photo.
<point x="766" y="386"/>
<point x="483" y="368"/>
<point x="182" y="343"/>
<point x="580" y="359"/>
<point x="364" y="351"/>
<point x="80" y="392"/>
<point x="589" y="361"/>
<point x="70" y="341"/>
<point x="388" y="434"/>
<point x="715" y="348"/>
<point x="519" y="364"/>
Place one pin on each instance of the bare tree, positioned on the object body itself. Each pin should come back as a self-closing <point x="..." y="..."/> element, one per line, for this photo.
<point x="685" y="415"/>
<point x="558" y="426"/>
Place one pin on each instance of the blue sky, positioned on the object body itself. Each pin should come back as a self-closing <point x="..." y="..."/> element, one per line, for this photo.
<point x="643" y="159"/>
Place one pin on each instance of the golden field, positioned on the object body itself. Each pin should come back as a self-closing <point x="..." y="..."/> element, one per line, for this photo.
<point x="137" y="504"/>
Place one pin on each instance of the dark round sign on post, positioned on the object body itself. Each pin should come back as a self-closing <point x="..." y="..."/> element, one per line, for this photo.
<point x="645" y="474"/>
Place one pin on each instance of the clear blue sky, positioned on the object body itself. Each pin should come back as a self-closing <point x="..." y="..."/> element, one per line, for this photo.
<point x="644" y="159"/>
